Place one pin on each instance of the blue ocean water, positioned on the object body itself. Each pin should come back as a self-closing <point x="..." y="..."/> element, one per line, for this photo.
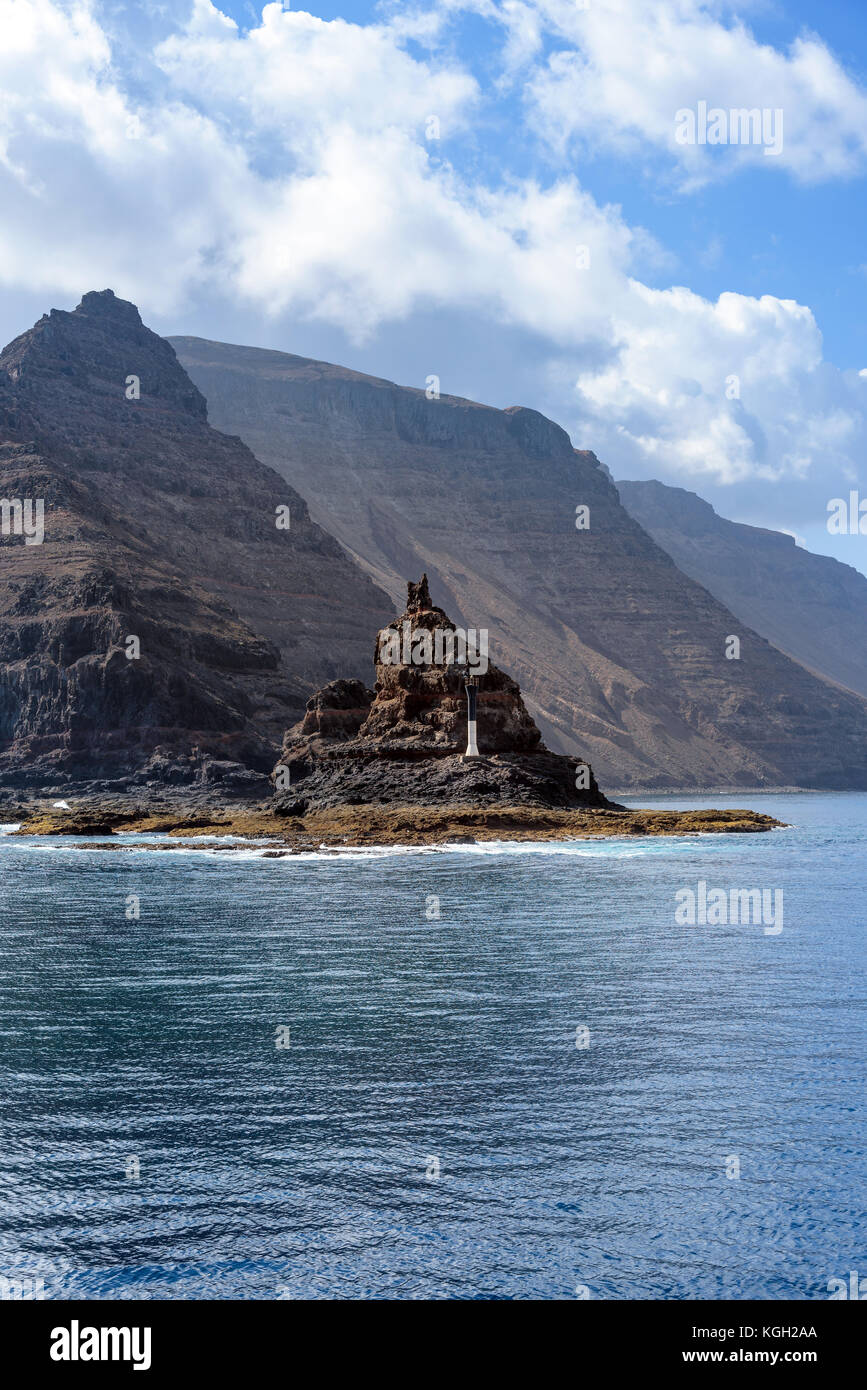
<point x="432" y="1130"/>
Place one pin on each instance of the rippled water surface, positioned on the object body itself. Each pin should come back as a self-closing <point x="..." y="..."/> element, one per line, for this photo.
<point x="308" y="1170"/>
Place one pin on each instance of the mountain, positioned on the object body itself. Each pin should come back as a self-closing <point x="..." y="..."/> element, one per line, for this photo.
<point x="811" y="606"/>
<point x="158" y="528"/>
<point x="620" y="656"/>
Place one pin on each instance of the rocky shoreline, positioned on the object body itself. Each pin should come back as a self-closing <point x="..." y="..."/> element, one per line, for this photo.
<point x="345" y="827"/>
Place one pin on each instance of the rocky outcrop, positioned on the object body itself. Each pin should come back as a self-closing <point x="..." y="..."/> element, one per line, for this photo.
<point x="403" y="742"/>
<point x="810" y="606"/>
<point x="165" y="630"/>
<point x="621" y="656"/>
<point x="340" y="827"/>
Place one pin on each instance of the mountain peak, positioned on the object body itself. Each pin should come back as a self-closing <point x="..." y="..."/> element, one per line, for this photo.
<point x="106" y="304"/>
<point x="99" y="349"/>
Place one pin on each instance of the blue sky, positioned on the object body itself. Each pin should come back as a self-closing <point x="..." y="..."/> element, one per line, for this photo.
<point x="271" y="179"/>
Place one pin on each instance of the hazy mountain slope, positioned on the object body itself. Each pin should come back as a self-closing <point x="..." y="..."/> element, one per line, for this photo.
<point x="810" y="606"/>
<point x="159" y="527"/>
<point x="621" y="657"/>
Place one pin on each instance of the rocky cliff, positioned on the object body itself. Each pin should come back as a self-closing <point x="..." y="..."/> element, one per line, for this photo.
<point x="403" y="742"/>
<point x="621" y="656"/>
<point x="810" y="606"/>
<point x="165" y="628"/>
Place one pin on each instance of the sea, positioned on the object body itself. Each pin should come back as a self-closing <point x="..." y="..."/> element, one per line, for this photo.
<point x="505" y="1071"/>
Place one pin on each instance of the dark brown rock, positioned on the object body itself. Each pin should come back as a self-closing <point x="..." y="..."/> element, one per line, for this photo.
<point x="338" y="710"/>
<point x="421" y="708"/>
<point x="404" y="741"/>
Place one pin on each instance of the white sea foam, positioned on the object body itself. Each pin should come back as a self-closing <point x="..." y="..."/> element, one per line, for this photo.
<point x="235" y="847"/>
<point x="582" y="849"/>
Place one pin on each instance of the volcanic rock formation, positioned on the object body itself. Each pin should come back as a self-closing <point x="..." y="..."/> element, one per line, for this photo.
<point x="403" y="742"/>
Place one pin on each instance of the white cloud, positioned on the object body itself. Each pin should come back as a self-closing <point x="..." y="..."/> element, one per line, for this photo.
<point x="622" y="69"/>
<point x="98" y="187"/>
<point x="286" y="168"/>
<point x="796" y="537"/>
<point x="298" y="77"/>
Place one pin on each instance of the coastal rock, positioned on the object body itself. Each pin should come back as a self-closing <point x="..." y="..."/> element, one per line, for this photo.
<point x="338" y="710"/>
<point x="404" y="741"/>
<point x="340" y="827"/>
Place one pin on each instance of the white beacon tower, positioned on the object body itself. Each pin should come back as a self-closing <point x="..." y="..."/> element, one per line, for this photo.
<point x="471" y="685"/>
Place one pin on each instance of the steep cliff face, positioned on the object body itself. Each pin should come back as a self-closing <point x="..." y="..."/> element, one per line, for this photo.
<point x="158" y="529"/>
<point x="810" y="606"/>
<point x="403" y="742"/>
<point x="620" y="655"/>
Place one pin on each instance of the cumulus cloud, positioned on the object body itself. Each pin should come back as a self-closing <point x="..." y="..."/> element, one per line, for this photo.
<point x="297" y="76"/>
<point x="726" y="390"/>
<point x="98" y="186"/>
<point x="621" y="70"/>
<point x="289" y="167"/>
